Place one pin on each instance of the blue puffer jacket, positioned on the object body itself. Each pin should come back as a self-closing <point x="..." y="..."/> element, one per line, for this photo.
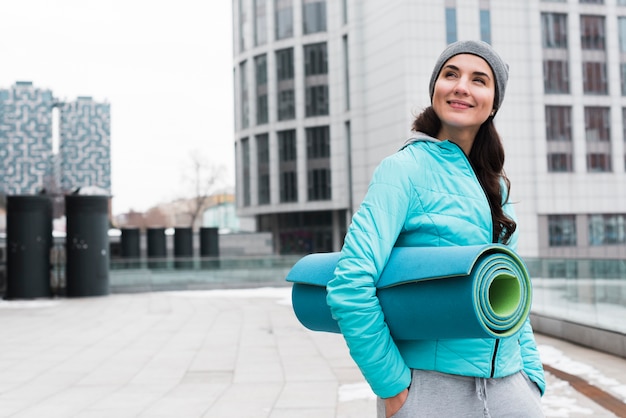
<point x="424" y="195"/>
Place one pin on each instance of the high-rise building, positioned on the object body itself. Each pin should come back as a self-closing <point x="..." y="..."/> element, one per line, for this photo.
<point x="324" y="90"/>
<point x="85" y="148"/>
<point x="30" y="162"/>
<point x="25" y="138"/>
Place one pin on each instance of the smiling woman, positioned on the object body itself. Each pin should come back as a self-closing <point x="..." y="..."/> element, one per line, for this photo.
<point x="446" y="187"/>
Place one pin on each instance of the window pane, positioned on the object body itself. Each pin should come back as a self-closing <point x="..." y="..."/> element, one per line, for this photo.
<point x="594" y="78"/>
<point x="558" y="123"/>
<point x="314" y="16"/>
<point x="485" y="26"/>
<point x="260" y="66"/>
<point x="245" y="157"/>
<point x="562" y="230"/>
<point x="284" y="18"/>
<point x="556" y="77"/>
<point x="607" y="229"/>
<point x="451" y="35"/>
<point x="597" y="124"/>
<point x="318" y="142"/>
<point x="554" y="30"/>
<point x="260" y="22"/>
<point x="243" y="85"/>
<point x="315" y="59"/>
<point x="592" y="35"/>
<point x="263" y="161"/>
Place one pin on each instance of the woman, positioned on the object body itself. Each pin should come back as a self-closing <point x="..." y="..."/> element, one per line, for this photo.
<point x="445" y="187"/>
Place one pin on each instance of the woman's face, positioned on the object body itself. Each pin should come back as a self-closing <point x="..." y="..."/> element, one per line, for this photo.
<point x="464" y="95"/>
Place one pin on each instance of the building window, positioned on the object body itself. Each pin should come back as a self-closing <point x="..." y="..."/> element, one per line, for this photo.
<point x="451" y="34"/>
<point x="624" y="133"/>
<point x="622" y="70"/>
<point x="598" y="139"/>
<point x="319" y="184"/>
<point x="263" y="168"/>
<point x="598" y="162"/>
<point x="597" y="124"/>
<point x="284" y="18"/>
<point x="560" y="162"/>
<point x="245" y="159"/>
<point x="260" y="22"/>
<point x="592" y="36"/>
<point x="318" y="163"/>
<point x="262" y="112"/>
<point x="346" y="71"/>
<point x="245" y="105"/>
<point x="594" y="78"/>
<point x="555" y="77"/>
<point x="621" y="2"/>
<point x="554" y="30"/>
<point x="485" y="25"/>
<point x="621" y="26"/>
<point x="318" y="142"/>
<point x="562" y="230"/>
<point x="243" y="26"/>
<point x="559" y="137"/>
<point x="316" y="79"/>
<point x="592" y="1"/>
<point x="287" y="158"/>
<point x="313" y="16"/>
<point x="607" y="229"/>
<point x="316" y="100"/>
<point x="285" y="84"/>
<point x="559" y="123"/>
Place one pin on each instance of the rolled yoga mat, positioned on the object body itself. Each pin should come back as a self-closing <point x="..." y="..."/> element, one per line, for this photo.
<point x="481" y="291"/>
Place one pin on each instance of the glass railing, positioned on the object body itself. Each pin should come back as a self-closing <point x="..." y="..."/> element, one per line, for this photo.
<point x="197" y="273"/>
<point x="587" y="292"/>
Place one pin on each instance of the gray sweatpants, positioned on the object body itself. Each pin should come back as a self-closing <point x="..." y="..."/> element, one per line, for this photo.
<point x="434" y="394"/>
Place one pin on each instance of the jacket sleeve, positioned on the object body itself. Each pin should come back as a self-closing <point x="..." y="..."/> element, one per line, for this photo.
<point x="351" y="294"/>
<point x="530" y="355"/>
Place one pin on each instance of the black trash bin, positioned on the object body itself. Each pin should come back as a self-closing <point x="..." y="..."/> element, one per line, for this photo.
<point x="87" y="245"/>
<point x="130" y="247"/>
<point x="209" y="247"/>
<point x="28" y="241"/>
<point x="183" y="248"/>
<point x="157" y="248"/>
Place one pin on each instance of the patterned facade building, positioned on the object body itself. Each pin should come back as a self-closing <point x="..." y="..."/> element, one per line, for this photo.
<point x="25" y="138"/>
<point x="85" y="149"/>
<point x="30" y="164"/>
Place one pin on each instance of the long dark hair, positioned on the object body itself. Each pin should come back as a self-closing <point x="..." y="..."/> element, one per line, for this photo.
<point x="487" y="159"/>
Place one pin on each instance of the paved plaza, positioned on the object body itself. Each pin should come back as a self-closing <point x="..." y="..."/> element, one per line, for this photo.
<point x="222" y="353"/>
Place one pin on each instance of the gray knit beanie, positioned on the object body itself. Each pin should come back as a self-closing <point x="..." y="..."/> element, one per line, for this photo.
<point x="481" y="49"/>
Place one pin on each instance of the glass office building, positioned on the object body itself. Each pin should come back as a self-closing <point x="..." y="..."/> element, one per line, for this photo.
<point x="325" y="90"/>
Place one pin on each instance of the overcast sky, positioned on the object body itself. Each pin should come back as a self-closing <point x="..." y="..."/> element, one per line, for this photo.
<point x="163" y="65"/>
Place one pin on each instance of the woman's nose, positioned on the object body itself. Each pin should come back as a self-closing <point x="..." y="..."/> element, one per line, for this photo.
<point x="461" y="86"/>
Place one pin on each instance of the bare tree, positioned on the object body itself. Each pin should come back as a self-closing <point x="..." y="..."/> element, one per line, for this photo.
<point x="204" y="178"/>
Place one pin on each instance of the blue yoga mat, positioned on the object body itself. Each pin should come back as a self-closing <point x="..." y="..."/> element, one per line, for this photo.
<point x="481" y="291"/>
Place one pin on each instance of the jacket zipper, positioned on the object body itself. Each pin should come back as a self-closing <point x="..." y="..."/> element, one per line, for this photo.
<point x="493" y="239"/>
<point x="493" y="358"/>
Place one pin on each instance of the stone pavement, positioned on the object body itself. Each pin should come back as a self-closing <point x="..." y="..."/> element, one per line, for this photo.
<point x="223" y="353"/>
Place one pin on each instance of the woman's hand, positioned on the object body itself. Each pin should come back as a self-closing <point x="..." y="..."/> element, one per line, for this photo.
<point x="393" y="404"/>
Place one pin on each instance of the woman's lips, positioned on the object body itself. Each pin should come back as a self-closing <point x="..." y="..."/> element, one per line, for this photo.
<point x="459" y="105"/>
